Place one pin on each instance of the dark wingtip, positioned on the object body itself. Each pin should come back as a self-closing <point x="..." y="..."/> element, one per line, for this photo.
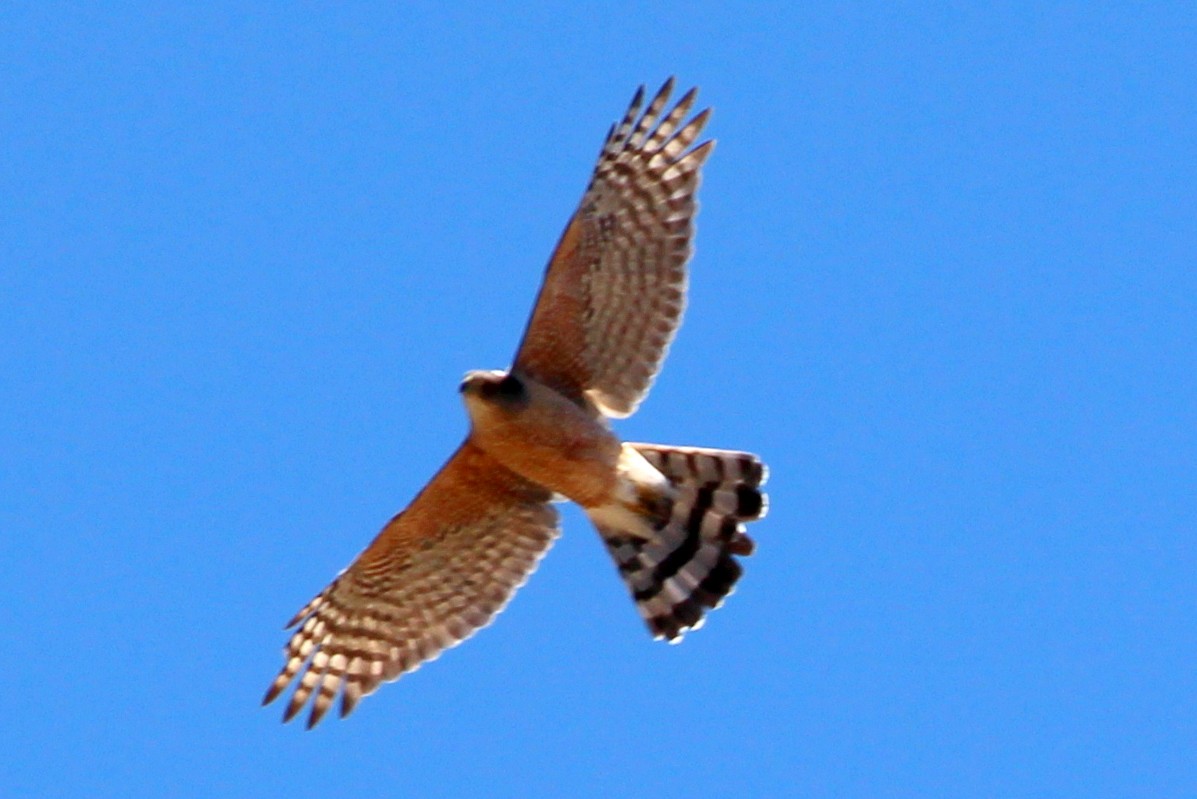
<point x="661" y="98"/>
<point x="291" y="711"/>
<point x="638" y="97"/>
<point x="699" y="122"/>
<point x="276" y="688"/>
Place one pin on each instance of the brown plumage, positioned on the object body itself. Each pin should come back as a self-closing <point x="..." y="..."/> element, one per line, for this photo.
<point x="615" y="288"/>
<point x="671" y="517"/>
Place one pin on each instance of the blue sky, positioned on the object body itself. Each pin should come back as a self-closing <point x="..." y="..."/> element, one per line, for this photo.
<point x="944" y="284"/>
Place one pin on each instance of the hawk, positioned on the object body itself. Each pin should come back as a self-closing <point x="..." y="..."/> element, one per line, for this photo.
<point x="672" y="518"/>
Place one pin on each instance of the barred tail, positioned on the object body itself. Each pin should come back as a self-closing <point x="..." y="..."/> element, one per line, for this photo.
<point x="676" y="543"/>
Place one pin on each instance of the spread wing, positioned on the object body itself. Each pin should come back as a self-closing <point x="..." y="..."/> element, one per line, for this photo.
<point x="615" y="287"/>
<point x="436" y="573"/>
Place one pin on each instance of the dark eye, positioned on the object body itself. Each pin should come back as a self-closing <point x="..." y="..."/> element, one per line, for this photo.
<point x="510" y="387"/>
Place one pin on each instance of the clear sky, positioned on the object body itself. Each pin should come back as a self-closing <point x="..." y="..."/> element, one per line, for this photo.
<point x="944" y="283"/>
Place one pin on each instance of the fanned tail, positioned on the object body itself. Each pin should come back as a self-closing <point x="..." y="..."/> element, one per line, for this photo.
<point x="676" y="541"/>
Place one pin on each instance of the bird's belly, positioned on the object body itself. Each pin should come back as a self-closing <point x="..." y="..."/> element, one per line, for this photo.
<point x="577" y="459"/>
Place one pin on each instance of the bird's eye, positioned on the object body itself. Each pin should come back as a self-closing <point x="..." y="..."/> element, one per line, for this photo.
<point x="510" y="387"/>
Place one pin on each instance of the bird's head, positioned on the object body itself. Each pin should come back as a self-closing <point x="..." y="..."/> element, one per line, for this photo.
<point x="493" y="389"/>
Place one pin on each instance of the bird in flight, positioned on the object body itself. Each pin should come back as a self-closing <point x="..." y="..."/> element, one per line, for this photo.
<point x="671" y="517"/>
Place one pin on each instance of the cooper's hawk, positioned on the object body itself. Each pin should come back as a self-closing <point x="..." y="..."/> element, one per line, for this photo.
<point x="671" y="517"/>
